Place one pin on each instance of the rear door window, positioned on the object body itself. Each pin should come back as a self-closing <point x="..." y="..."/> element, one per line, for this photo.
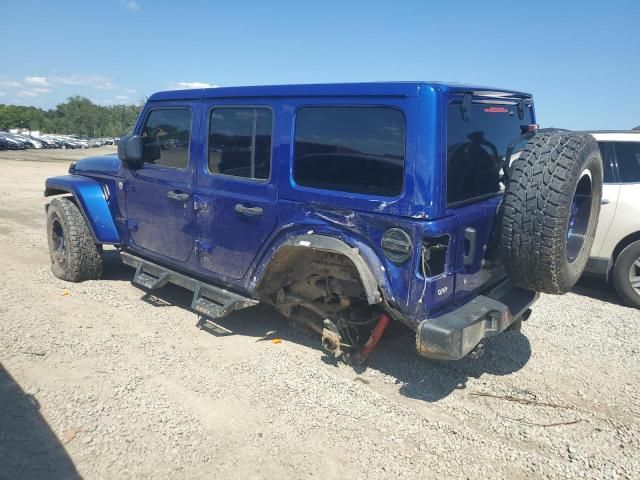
<point x="477" y="145"/>
<point x="628" y="156"/>
<point x="350" y="149"/>
<point x="240" y="142"/>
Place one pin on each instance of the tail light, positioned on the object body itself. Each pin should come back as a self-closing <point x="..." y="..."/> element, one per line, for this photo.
<point x="434" y="256"/>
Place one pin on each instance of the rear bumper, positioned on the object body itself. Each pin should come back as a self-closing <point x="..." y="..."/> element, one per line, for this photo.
<point x="453" y="335"/>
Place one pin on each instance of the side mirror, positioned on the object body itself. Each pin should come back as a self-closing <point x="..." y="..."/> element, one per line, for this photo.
<point x="131" y="151"/>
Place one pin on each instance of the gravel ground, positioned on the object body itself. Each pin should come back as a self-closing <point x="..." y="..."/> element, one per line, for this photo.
<point x="100" y="380"/>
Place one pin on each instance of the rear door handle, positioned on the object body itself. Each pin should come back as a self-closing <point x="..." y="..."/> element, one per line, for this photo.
<point x="248" y="211"/>
<point x="177" y="196"/>
<point x="605" y="201"/>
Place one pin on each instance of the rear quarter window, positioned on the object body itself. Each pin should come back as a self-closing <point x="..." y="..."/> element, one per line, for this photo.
<point x="350" y="149"/>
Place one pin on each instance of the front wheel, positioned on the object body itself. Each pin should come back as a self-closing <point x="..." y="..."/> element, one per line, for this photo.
<point x="626" y="275"/>
<point x="74" y="255"/>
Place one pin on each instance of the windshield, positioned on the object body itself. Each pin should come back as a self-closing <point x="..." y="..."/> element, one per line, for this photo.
<point x="477" y="145"/>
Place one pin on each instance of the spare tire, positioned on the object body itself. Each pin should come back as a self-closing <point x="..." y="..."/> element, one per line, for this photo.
<point x="550" y="210"/>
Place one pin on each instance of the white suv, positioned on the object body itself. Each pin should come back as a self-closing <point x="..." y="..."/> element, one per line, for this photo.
<point x="616" y="249"/>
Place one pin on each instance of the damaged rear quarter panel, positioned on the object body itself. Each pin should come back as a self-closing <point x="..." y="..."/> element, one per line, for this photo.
<point x="399" y="284"/>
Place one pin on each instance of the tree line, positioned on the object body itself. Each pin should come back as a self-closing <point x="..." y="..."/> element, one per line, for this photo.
<point x="77" y="116"/>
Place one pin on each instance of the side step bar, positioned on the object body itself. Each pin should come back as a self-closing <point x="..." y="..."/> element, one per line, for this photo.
<point x="209" y="300"/>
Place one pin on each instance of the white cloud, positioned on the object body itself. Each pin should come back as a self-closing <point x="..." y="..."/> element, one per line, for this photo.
<point x="104" y="85"/>
<point x="117" y="100"/>
<point x="40" y="81"/>
<point x="76" y="80"/>
<point x="33" y="88"/>
<point x="188" y="85"/>
<point x="71" y="80"/>
<point x="131" y="5"/>
<point x="33" y="92"/>
<point x="10" y="84"/>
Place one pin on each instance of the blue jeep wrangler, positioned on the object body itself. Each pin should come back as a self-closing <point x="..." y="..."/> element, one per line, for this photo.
<point x="345" y="206"/>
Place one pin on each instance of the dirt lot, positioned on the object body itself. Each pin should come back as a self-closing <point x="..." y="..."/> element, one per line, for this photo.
<point x="100" y="380"/>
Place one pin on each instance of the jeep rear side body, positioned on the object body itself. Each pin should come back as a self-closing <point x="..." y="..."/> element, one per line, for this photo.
<point x="281" y="193"/>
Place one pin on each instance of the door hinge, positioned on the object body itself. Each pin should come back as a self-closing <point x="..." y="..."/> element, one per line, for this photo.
<point x="203" y="245"/>
<point x="200" y="203"/>
<point x="131" y="225"/>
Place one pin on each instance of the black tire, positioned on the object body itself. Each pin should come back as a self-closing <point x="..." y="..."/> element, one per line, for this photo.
<point x="627" y="266"/>
<point x="74" y="255"/>
<point x="550" y="211"/>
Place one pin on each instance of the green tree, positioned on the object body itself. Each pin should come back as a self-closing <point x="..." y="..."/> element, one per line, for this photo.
<point x="77" y="116"/>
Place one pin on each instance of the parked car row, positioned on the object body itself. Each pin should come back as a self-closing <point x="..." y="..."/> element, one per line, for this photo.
<point x="19" y="141"/>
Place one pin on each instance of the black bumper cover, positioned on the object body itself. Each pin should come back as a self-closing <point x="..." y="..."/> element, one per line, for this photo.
<point x="453" y="335"/>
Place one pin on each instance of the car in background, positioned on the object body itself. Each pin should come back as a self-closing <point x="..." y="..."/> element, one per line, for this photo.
<point x="46" y="142"/>
<point x="12" y="143"/>
<point x="616" y="249"/>
<point x="38" y="140"/>
<point x="69" y="142"/>
<point x="34" y="143"/>
<point x="8" y="144"/>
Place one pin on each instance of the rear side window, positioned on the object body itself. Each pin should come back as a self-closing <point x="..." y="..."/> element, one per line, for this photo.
<point x="350" y="149"/>
<point x="240" y="142"/>
<point x="477" y="146"/>
<point x="166" y="136"/>
<point x="628" y="156"/>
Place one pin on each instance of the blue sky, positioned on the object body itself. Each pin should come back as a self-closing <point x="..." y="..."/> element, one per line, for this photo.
<point x="580" y="59"/>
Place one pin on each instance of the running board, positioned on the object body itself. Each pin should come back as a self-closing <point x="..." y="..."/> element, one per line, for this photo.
<point x="148" y="280"/>
<point x="208" y="300"/>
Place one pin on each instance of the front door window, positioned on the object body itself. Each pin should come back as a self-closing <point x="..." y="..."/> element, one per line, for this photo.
<point x="166" y="137"/>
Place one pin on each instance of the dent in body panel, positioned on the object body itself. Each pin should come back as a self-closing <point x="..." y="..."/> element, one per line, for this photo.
<point x="400" y="285"/>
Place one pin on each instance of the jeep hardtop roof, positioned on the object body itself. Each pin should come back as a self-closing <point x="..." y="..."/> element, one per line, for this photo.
<point x="393" y="89"/>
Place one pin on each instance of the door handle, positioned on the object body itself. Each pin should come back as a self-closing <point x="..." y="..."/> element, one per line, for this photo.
<point x="248" y="211"/>
<point x="605" y="201"/>
<point x="177" y="196"/>
<point x="470" y="238"/>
